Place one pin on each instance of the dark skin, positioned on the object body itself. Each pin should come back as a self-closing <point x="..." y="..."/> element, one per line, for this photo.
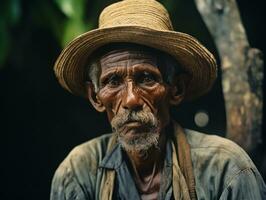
<point x="131" y="80"/>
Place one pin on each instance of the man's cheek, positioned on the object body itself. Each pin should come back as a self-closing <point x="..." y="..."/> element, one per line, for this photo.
<point x="108" y="103"/>
<point x="158" y="97"/>
<point x="107" y="98"/>
<point x="160" y="100"/>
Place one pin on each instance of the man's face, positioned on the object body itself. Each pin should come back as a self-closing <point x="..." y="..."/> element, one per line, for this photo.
<point x="135" y="97"/>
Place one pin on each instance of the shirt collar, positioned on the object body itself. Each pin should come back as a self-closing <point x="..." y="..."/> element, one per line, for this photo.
<point x="168" y="154"/>
<point x="114" y="158"/>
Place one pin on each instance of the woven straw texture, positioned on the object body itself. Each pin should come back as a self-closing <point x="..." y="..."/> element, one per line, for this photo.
<point x="144" y="22"/>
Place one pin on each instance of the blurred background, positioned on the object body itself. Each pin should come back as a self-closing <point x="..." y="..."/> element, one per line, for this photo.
<point x="41" y="122"/>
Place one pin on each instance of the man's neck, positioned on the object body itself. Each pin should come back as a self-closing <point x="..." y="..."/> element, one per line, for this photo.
<point x="143" y="163"/>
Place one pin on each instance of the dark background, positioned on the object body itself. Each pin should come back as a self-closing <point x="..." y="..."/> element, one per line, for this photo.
<point x="41" y="122"/>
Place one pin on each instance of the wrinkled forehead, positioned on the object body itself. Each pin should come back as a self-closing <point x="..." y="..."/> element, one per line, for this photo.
<point x="126" y="54"/>
<point x="118" y="52"/>
<point x="128" y="57"/>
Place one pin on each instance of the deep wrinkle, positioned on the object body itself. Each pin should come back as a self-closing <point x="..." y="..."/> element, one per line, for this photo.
<point x="128" y="75"/>
<point x="137" y="68"/>
<point x="125" y="55"/>
<point x="123" y="84"/>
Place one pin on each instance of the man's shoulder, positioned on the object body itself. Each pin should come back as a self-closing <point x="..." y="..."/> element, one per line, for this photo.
<point x="205" y="140"/>
<point x="86" y="156"/>
<point x="222" y="168"/>
<point x="213" y="154"/>
<point x="93" y="145"/>
<point x="92" y="150"/>
<point x="215" y="148"/>
<point x="78" y="172"/>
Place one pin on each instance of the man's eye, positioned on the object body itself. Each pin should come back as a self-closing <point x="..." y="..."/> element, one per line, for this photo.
<point x="113" y="80"/>
<point x="147" y="78"/>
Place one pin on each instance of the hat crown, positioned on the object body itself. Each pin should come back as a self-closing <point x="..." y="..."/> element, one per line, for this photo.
<point x="144" y="13"/>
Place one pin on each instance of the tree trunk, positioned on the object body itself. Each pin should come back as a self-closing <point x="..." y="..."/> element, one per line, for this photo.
<point x="242" y="71"/>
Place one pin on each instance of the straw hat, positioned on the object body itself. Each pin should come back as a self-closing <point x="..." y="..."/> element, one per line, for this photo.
<point x="144" y="22"/>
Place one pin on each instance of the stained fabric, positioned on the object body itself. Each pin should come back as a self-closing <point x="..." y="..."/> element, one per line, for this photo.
<point x="221" y="170"/>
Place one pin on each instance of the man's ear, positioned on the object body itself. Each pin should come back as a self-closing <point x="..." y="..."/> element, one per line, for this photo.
<point x="94" y="99"/>
<point x="178" y="89"/>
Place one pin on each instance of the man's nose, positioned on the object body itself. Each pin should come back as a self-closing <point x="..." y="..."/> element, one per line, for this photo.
<point x="131" y="98"/>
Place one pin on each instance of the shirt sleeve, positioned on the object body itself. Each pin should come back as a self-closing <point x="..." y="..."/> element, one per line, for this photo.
<point x="245" y="185"/>
<point x="65" y="185"/>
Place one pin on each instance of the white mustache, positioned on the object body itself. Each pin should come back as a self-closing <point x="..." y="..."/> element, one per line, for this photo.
<point x="145" y="118"/>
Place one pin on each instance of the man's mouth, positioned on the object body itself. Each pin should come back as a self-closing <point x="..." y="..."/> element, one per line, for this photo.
<point x="130" y="122"/>
<point x="133" y="127"/>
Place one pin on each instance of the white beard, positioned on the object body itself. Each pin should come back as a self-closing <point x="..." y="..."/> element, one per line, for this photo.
<point x="142" y="142"/>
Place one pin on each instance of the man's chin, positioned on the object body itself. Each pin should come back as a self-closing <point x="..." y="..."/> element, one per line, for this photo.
<point x="138" y="142"/>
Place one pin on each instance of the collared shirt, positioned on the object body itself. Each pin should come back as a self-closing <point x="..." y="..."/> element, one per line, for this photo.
<point x="222" y="171"/>
<point x="125" y="185"/>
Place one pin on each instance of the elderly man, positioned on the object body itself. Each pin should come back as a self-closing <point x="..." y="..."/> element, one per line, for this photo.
<point x="135" y="68"/>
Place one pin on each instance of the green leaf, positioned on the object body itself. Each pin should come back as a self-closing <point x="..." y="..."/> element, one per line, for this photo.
<point x="74" y="25"/>
<point x="73" y="28"/>
<point x="47" y="16"/>
<point x="14" y="11"/>
<point x="10" y="11"/>
<point x="72" y="8"/>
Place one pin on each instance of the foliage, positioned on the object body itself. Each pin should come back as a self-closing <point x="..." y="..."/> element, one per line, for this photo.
<point x="9" y="17"/>
<point x="66" y="19"/>
<point x="74" y="23"/>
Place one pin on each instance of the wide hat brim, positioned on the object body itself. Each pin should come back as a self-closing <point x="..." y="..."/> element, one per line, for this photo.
<point x="70" y="67"/>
